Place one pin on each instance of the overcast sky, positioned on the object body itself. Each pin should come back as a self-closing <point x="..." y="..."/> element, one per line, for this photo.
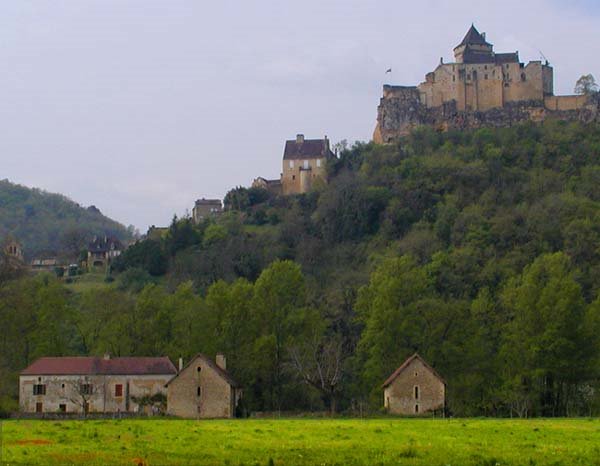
<point x="142" y="106"/>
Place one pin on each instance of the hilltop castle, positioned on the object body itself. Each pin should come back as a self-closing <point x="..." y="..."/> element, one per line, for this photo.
<point x="480" y="88"/>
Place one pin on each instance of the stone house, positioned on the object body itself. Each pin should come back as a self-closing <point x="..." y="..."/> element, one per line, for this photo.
<point x="203" y="389"/>
<point x="102" y="251"/>
<point x="415" y="388"/>
<point x="92" y="384"/>
<point x="204" y="208"/>
<point x="273" y="186"/>
<point x="304" y="161"/>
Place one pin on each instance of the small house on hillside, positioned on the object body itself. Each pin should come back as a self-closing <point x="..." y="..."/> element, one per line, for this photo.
<point x="102" y="251"/>
<point x="203" y="389"/>
<point x="92" y="384"/>
<point x="206" y="208"/>
<point x="414" y="388"/>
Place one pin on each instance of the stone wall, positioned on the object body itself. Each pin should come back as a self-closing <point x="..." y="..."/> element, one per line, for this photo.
<point x="62" y="390"/>
<point x="400" y="396"/>
<point x="199" y="391"/>
<point x="400" y="112"/>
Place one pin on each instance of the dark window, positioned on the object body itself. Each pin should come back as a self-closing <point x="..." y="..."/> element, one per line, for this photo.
<point x="118" y="389"/>
<point x="416" y="393"/>
<point x="39" y="389"/>
<point x="199" y="369"/>
<point x="86" y="389"/>
<point x="198" y="391"/>
<point x="486" y="76"/>
<point x="416" y="409"/>
<point x="62" y="408"/>
<point x="523" y="77"/>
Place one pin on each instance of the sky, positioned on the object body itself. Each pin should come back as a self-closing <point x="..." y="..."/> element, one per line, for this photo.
<point x="140" y="107"/>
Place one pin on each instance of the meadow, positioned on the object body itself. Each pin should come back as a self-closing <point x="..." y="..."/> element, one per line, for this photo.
<point x="486" y="442"/>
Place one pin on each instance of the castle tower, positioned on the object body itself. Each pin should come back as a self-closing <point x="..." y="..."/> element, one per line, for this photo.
<point x="474" y="48"/>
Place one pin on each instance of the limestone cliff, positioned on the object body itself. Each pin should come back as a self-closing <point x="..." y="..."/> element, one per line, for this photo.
<point x="401" y="110"/>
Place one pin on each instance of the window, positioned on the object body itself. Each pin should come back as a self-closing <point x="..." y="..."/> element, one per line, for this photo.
<point x="523" y="77"/>
<point x="86" y="389"/>
<point x="416" y="392"/>
<point x="416" y="374"/>
<point x="62" y="408"/>
<point x="291" y="164"/>
<point x="39" y="408"/>
<point x="293" y="177"/>
<point x="198" y="369"/>
<point x="416" y="409"/>
<point x="486" y="76"/>
<point x="453" y="78"/>
<point x="119" y="389"/>
<point x="39" y="389"/>
<point x="318" y="162"/>
<point x="306" y="164"/>
<point x="199" y="391"/>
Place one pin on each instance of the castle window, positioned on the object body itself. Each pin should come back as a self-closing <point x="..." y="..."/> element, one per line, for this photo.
<point x="119" y="389"/>
<point x="416" y="392"/>
<point x="453" y="78"/>
<point x="416" y="409"/>
<point x="486" y="76"/>
<point x="291" y="164"/>
<point x="198" y="391"/>
<point x="306" y="164"/>
<point x="318" y="162"/>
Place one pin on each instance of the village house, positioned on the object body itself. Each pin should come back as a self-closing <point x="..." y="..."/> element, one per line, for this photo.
<point x="415" y="388"/>
<point x="92" y="384"/>
<point x="102" y="251"/>
<point x="304" y="162"/>
<point x="205" y="208"/>
<point x="13" y="251"/>
<point x="203" y="389"/>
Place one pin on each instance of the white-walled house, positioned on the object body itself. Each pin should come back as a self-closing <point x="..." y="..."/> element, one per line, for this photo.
<point x="92" y="384"/>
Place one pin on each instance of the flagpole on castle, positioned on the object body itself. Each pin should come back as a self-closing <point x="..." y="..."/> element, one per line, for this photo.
<point x="389" y="71"/>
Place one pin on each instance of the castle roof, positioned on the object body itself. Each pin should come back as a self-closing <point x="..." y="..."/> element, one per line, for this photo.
<point x="301" y="148"/>
<point x="473" y="37"/>
<point x="100" y="366"/>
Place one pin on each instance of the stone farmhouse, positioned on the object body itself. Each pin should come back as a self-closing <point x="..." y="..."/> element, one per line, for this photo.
<point x="102" y="251"/>
<point x="479" y="88"/>
<point x="92" y="384"/>
<point x="203" y="389"/>
<point x="205" y="208"/>
<point x="415" y="388"/>
<point x="304" y="162"/>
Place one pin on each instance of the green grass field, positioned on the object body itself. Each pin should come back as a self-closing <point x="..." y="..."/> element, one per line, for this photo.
<point x="304" y="442"/>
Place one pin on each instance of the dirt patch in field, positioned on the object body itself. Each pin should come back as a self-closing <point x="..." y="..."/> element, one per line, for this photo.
<point x="139" y="462"/>
<point x="33" y="441"/>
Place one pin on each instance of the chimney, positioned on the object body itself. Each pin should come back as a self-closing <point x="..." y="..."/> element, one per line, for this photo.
<point x="326" y="142"/>
<point x="299" y="138"/>
<point x="180" y="364"/>
<point x="483" y="35"/>
<point x="106" y="356"/>
<point x="221" y="361"/>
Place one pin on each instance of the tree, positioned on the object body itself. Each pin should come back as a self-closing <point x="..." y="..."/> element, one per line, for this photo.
<point x="82" y="390"/>
<point x="545" y="350"/>
<point x="319" y="362"/>
<point x="586" y="85"/>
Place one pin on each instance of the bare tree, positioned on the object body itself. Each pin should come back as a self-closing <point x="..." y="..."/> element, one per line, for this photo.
<point x="319" y="362"/>
<point x="82" y="390"/>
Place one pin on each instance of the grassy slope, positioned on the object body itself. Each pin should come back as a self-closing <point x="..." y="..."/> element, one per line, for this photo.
<point x="304" y="442"/>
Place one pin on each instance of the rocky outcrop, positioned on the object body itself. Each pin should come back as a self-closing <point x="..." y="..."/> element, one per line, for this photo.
<point x="400" y="111"/>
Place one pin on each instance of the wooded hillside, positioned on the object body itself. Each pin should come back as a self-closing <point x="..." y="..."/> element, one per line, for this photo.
<point x="478" y="250"/>
<point x="50" y="224"/>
